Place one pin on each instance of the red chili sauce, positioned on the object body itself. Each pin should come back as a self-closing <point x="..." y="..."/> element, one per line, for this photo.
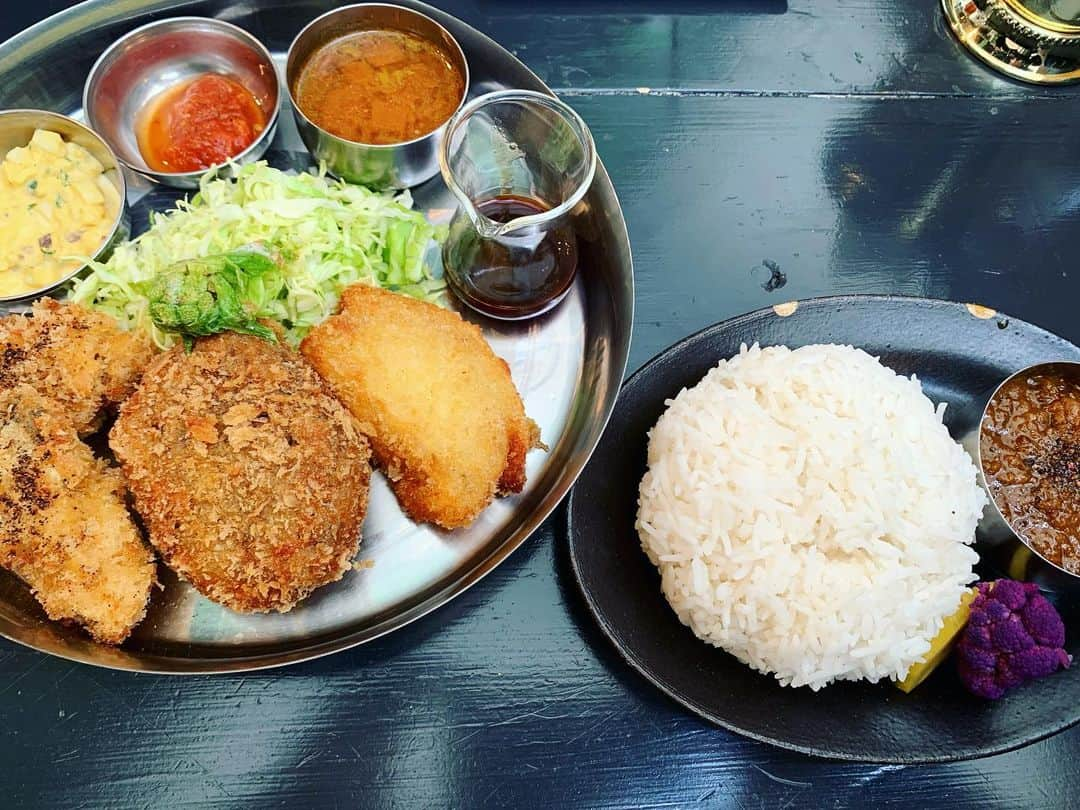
<point x="199" y="123"/>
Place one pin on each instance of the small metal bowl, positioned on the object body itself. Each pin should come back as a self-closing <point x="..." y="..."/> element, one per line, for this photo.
<point x="154" y="57"/>
<point x="378" y="166"/>
<point x="995" y="528"/>
<point x="16" y="129"/>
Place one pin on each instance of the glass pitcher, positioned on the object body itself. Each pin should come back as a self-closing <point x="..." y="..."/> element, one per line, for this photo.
<point x="518" y="163"/>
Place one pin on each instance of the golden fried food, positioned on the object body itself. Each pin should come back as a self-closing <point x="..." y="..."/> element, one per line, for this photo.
<point x="64" y="528"/>
<point x="446" y="423"/>
<point x="250" y="478"/>
<point x="79" y="358"/>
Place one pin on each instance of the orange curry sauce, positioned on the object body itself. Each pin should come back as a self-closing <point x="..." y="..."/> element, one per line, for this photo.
<point x="199" y="123"/>
<point x="379" y="87"/>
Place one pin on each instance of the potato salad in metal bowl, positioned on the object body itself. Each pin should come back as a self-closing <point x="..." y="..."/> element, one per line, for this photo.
<point x="56" y="205"/>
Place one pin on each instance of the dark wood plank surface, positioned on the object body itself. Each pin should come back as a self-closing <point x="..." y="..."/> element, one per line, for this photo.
<point x="852" y="143"/>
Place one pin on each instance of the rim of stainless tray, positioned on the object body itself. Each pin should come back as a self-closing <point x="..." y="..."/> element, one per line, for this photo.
<point x="93" y="13"/>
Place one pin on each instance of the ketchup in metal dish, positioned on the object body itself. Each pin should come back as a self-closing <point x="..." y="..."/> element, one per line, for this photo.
<point x="516" y="276"/>
<point x="199" y="123"/>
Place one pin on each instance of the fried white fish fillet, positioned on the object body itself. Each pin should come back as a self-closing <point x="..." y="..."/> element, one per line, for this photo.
<point x="64" y="528"/>
<point x="446" y="423"/>
<point x="250" y="477"/>
<point x="77" y="357"/>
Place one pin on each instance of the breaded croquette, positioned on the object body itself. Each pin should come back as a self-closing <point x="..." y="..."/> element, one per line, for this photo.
<point x="64" y="528"/>
<point x="446" y="423"/>
<point x="250" y="477"/>
<point x="78" y="358"/>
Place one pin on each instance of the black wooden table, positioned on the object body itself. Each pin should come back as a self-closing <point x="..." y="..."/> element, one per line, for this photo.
<point x="851" y="143"/>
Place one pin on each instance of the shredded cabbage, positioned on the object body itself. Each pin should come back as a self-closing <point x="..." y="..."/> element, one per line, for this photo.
<point x="327" y="234"/>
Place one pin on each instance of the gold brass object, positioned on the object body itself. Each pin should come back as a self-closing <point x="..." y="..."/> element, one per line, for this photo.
<point x="1057" y="17"/>
<point x="1035" y="41"/>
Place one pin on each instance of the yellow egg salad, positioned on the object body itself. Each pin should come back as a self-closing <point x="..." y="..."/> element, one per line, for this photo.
<point x="56" y="205"/>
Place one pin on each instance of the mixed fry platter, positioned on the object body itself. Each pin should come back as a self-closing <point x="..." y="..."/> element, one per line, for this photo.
<point x="271" y="545"/>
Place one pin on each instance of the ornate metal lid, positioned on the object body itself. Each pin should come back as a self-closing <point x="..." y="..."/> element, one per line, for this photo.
<point x="1032" y="40"/>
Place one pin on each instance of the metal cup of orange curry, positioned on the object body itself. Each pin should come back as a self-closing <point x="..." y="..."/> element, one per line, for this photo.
<point x="1028" y="453"/>
<point x="372" y="88"/>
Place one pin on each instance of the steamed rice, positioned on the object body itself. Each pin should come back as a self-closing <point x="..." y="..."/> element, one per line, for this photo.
<point x="810" y="514"/>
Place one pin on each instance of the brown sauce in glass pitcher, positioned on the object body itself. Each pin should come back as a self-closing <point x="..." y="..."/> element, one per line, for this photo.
<point x="517" y="275"/>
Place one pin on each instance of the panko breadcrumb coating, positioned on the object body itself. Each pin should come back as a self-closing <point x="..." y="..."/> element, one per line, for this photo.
<point x="446" y="423"/>
<point x="64" y="528"/>
<point x="79" y="358"/>
<point x="251" y="479"/>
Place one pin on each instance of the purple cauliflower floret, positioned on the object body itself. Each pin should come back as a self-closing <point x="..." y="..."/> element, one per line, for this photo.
<point x="1013" y="636"/>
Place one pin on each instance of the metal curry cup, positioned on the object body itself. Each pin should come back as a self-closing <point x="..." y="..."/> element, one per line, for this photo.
<point x="378" y="166"/>
<point x="1011" y="548"/>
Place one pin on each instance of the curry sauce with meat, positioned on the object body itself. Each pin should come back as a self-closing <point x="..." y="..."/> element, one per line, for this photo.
<point x="1030" y="447"/>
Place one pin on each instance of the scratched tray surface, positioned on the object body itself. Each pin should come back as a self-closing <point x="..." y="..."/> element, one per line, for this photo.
<point x="567" y="366"/>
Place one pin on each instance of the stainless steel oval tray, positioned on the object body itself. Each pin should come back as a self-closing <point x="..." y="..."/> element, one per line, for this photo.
<point x="567" y="365"/>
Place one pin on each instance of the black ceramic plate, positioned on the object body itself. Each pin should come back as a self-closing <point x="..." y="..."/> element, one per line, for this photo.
<point x="958" y="352"/>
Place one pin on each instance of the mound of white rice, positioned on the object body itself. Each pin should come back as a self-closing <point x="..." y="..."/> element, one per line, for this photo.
<point x="810" y="514"/>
